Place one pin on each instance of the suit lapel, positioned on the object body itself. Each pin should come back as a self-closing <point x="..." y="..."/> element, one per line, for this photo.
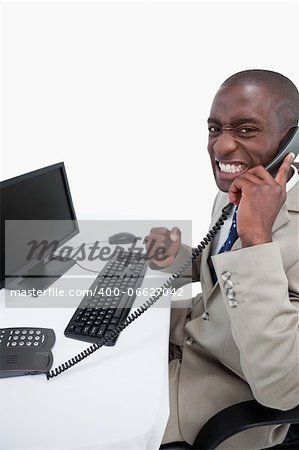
<point x="207" y="282"/>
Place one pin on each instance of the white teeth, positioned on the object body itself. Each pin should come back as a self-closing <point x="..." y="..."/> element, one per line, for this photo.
<point x="232" y="168"/>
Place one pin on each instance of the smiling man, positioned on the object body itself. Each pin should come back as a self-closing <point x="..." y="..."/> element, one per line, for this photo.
<point x="239" y="339"/>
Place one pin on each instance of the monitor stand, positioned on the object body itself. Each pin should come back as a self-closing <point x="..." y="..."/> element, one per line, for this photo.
<point x="42" y="275"/>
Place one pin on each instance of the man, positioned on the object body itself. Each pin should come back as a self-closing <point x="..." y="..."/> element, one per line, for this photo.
<point x="239" y="339"/>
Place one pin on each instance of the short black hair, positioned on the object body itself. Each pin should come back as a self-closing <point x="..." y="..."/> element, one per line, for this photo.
<point x="282" y="89"/>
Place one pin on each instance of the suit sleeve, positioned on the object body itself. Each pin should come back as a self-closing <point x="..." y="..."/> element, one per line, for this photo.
<point x="191" y="274"/>
<point x="262" y="302"/>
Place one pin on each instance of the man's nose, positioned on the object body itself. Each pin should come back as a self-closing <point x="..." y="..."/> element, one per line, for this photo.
<point x="225" y="144"/>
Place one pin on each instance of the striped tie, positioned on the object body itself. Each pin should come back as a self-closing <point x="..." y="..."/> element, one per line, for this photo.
<point x="232" y="235"/>
<point x="226" y="247"/>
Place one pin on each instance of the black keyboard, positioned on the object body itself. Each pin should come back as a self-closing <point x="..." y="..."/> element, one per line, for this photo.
<point x="109" y="300"/>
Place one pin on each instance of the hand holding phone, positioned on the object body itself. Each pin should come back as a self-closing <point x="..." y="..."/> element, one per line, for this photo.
<point x="259" y="198"/>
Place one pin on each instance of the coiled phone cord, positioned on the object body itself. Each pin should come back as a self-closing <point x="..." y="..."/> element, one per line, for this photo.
<point x="150" y="302"/>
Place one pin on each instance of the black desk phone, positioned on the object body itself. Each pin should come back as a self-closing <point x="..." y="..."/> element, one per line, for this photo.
<point x="24" y="359"/>
<point x="25" y="351"/>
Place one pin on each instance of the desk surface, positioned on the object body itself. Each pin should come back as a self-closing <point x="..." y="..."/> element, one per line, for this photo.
<point x="115" y="399"/>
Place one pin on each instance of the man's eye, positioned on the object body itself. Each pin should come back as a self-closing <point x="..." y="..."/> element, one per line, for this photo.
<point x="213" y="129"/>
<point x="245" y="130"/>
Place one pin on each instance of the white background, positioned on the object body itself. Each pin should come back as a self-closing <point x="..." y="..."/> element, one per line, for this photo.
<point x="120" y="91"/>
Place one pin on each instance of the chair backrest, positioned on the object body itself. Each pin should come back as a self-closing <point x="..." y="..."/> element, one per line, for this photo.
<point x="292" y="438"/>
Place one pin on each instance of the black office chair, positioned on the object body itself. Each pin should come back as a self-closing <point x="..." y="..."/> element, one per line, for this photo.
<point x="241" y="417"/>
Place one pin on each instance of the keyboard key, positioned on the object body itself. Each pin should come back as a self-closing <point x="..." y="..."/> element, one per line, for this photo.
<point x="108" y="317"/>
<point x="93" y="331"/>
<point x="86" y="330"/>
<point x="114" y="321"/>
<point x="114" y="304"/>
<point x="101" y="331"/>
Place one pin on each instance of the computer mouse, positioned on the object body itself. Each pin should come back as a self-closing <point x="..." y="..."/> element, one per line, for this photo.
<point x="122" y="238"/>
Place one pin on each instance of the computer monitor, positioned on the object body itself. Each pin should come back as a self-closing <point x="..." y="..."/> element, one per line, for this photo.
<point x="36" y="206"/>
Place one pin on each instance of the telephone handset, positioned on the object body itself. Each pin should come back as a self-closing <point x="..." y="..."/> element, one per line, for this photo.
<point x="288" y="145"/>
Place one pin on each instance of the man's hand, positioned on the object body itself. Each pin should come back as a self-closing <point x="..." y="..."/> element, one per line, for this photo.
<point x="162" y="246"/>
<point x="259" y="198"/>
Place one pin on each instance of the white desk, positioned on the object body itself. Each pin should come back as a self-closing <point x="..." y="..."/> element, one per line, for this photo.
<point x="116" y="399"/>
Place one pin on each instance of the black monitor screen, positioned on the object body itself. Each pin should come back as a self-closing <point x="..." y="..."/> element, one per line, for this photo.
<point x="42" y="195"/>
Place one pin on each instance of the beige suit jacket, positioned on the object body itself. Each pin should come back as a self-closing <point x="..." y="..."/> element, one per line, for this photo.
<point x="233" y="354"/>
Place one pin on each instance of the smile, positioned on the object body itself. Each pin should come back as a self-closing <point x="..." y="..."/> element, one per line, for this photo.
<point x="231" y="168"/>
